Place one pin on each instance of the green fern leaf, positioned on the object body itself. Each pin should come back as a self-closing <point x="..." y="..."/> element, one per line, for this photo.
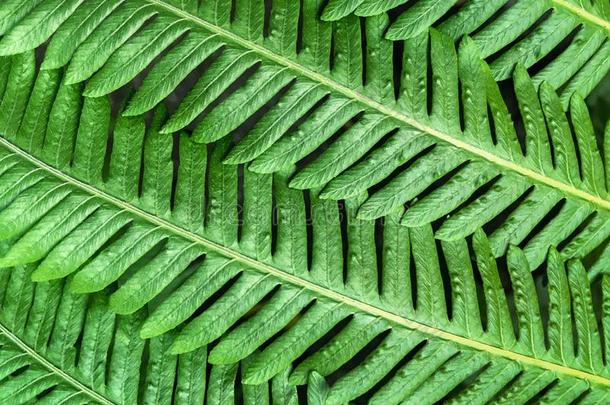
<point x="509" y="33"/>
<point x="302" y="313"/>
<point x="317" y="225"/>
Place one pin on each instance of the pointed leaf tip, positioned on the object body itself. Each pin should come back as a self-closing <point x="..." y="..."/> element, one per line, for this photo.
<point x="479" y="238"/>
<point x="146" y="332"/>
<point x="176" y="348"/>
<point x="520" y="74"/>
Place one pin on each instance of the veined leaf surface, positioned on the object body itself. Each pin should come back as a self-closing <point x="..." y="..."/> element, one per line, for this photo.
<point x="300" y="215"/>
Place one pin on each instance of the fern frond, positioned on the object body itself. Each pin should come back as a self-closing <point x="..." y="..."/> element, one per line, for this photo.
<point x="462" y="159"/>
<point x="71" y="349"/>
<point x="222" y="232"/>
<point x="269" y="312"/>
<point x="509" y="33"/>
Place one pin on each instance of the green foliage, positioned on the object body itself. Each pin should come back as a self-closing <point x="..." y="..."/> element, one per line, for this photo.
<point x="164" y="291"/>
<point x="574" y="33"/>
<point x="194" y="207"/>
<point x="456" y="142"/>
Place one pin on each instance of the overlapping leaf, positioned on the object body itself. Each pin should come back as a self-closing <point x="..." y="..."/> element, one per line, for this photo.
<point x="567" y="40"/>
<point x="210" y="237"/>
<point x="59" y="347"/>
<point x="260" y="303"/>
<point x="459" y="165"/>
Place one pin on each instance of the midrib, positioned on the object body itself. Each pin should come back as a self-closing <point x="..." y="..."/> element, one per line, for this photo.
<point x="583" y="14"/>
<point x="292" y="279"/>
<point x="52" y="368"/>
<point x="350" y="93"/>
<point x="362" y="306"/>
